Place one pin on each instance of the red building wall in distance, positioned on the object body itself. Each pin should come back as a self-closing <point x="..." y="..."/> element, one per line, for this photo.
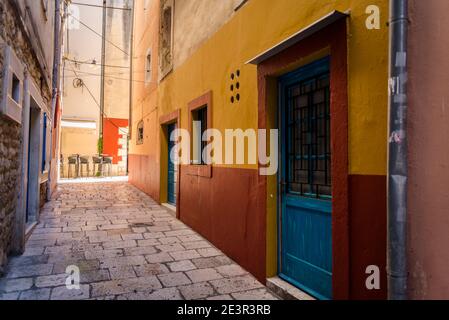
<point x="111" y="136"/>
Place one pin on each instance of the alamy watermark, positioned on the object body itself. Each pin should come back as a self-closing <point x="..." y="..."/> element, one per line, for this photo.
<point x="373" y="20"/>
<point x="235" y="147"/>
<point x="373" y="280"/>
<point x="72" y="282"/>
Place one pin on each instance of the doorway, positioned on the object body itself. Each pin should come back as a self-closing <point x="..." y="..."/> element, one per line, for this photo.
<point x="172" y="168"/>
<point x="305" y="181"/>
<point x="34" y="163"/>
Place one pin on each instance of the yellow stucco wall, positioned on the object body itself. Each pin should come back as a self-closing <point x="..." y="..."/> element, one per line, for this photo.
<point x="259" y="25"/>
<point x="205" y="17"/>
<point x="263" y="23"/>
<point x="77" y="141"/>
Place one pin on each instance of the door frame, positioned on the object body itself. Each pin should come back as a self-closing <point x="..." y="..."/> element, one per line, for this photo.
<point x="164" y="121"/>
<point x="284" y="82"/>
<point x="35" y="145"/>
<point x="330" y="41"/>
<point x="30" y="91"/>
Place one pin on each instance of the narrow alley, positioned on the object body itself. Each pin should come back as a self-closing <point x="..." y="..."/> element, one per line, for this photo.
<point x="224" y="150"/>
<point x="126" y="247"/>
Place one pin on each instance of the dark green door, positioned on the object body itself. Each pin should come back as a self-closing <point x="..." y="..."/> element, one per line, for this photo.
<point x="172" y="169"/>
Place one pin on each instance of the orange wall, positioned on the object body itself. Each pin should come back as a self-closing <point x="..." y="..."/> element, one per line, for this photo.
<point x="144" y="159"/>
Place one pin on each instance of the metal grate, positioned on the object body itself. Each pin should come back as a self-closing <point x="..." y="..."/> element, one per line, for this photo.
<point x="308" y="144"/>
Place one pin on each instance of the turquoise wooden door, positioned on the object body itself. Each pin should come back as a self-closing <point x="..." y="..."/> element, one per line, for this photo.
<point x="172" y="169"/>
<point x="305" y="180"/>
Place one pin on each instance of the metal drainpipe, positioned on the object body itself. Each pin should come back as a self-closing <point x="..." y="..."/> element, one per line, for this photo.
<point x="131" y="72"/>
<point x="397" y="156"/>
<point x="103" y="63"/>
<point x="55" y="84"/>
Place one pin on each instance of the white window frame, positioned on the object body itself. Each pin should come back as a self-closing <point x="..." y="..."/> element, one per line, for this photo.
<point x="9" y="107"/>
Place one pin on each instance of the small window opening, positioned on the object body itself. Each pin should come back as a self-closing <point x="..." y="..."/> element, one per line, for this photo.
<point x="140" y="133"/>
<point x="199" y="125"/>
<point x="15" y="89"/>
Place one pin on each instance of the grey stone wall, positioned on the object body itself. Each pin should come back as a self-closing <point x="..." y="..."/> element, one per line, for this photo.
<point x="9" y="181"/>
<point x="10" y="143"/>
<point x="11" y="132"/>
<point x="11" y="32"/>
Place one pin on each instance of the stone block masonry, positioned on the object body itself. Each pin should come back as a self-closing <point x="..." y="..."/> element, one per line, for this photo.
<point x="14" y="34"/>
<point x="9" y="175"/>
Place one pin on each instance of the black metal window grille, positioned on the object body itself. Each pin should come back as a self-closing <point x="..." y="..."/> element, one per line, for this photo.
<point x="308" y="138"/>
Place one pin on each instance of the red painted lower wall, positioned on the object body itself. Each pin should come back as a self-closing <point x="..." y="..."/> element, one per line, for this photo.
<point x="111" y="134"/>
<point x="144" y="174"/>
<point x="225" y="209"/>
<point x="368" y="233"/>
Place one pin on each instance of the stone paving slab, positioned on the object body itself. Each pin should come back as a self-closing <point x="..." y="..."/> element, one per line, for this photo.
<point x="126" y="247"/>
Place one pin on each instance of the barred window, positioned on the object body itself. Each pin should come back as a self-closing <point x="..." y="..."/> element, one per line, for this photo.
<point x="140" y="133"/>
<point x="309" y="150"/>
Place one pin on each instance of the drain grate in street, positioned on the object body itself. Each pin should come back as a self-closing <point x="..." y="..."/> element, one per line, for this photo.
<point x="141" y="225"/>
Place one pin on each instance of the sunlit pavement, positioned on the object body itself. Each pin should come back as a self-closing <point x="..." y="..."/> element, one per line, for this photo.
<point x="126" y="246"/>
<point x="93" y="180"/>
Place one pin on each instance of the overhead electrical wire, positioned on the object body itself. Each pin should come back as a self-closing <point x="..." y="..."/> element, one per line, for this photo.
<point x="99" y="6"/>
<point x="93" y="63"/>
<point x="81" y="83"/>
<point x="98" y="34"/>
<point x="106" y="76"/>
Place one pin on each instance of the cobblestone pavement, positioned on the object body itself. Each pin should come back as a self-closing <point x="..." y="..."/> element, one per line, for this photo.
<point x="126" y="247"/>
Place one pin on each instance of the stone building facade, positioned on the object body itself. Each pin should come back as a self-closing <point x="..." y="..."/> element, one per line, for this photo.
<point x="26" y="127"/>
<point x="9" y="172"/>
